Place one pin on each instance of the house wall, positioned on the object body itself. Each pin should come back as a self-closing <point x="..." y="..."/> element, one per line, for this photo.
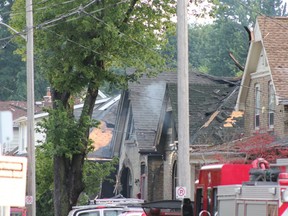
<point x="10" y="146"/>
<point x="131" y="160"/>
<point x="171" y="157"/>
<point x="278" y="129"/>
<point x="20" y="135"/>
<point x="155" y="178"/>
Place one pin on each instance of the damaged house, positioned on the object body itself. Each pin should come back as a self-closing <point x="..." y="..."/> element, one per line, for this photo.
<point x="263" y="93"/>
<point x="146" y="130"/>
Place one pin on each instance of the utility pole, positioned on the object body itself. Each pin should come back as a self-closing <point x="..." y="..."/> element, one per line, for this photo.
<point x="31" y="184"/>
<point x="183" y="167"/>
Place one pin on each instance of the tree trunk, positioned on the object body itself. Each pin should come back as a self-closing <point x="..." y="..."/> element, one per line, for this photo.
<point x="68" y="183"/>
<point x="68" y="172"/>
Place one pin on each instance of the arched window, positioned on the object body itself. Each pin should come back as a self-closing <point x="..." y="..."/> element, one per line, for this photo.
<point x="174" y="180"/>
<point x="126" y="182"/>
<point x="271" y="105"/>
<point x="257" y="106"/>
<point x="130" y="125"/>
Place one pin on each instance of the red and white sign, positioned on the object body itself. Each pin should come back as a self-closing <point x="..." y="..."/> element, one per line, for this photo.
<point x="180" y="192"/>
<point x="28" y="200"/>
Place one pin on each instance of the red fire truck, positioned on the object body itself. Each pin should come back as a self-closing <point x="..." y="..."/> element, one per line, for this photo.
<point x="242" y="190"/>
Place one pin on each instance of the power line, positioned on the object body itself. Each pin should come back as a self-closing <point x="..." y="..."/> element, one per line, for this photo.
<point x="63" y="16"/>
<point x="76" y="43"/>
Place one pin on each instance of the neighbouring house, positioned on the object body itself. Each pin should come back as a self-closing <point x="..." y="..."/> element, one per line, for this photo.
<point x="104" y="111"/>
<point x="19" y="112"/>
<point x="146" y="130"/>
<point x="263" y="94"/>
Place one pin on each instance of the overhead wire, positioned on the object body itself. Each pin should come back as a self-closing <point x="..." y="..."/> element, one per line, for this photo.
<point x="102" y="21"/>
<point x="77" y="10"/>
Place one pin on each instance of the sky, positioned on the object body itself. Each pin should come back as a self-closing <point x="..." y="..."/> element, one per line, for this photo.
<point x="194" y="12"/>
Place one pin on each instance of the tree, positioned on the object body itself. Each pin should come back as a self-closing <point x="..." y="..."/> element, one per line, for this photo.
<point x="228" y="34"/>
<point x="94" y="174"/>
<point x="13" y="69"/>
<point x="78" y="46"/>
<point x="210" y="44"/>
<point x="260" y="145"/>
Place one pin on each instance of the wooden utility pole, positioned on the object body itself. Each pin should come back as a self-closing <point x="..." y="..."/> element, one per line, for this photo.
<point x="31" y="184"/>
<point x="184" y="170"/>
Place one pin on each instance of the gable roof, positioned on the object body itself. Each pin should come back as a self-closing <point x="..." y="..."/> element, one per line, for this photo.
<point x="148" y="95"/>
<point x="274" y="33"/>
<point x="271" y="35"/>
<point x="18" y="108"/>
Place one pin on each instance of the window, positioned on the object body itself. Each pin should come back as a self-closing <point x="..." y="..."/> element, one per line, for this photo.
<point x="199" y="200"/>
<point x="89" y="213"/>
<point x="112" y="212"/>
<point x="257" y="106"/>
<point x="130" y="126"/>
<point x="271" y="105"/>
<point x="174" y="180"/>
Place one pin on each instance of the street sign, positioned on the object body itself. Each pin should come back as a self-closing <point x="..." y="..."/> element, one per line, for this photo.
<point x="29" y="200"/>
<point x="180" y="192"/>
<point x="13" y="171"/>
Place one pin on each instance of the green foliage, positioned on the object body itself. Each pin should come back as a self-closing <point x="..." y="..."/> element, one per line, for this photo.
<point x="12" y="68"/>
<point x="70" y="50"/>
<point x="44" y="182"/>
<point x="210" y="45"/>
<point x="95" y="174"/>
<point x="78" y="45"/>
<point x="64" y="134"/>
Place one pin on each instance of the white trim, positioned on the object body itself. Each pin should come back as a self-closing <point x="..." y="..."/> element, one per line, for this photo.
<point x="108" y="104"/>
<point x="41" y="115"/>
<point x="259" y="74"/>
<point x="96" y="102"/>
<point x="101" y="94"/>
<point x="212" y="166"/>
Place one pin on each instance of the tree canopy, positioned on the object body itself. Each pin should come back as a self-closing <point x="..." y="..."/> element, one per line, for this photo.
<point x="12" y="67"/>
<point x="210" y="45"/>
<point x="79" y="46"/>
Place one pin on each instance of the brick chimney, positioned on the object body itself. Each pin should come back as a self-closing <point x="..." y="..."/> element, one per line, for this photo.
<point x="47" y="97"/>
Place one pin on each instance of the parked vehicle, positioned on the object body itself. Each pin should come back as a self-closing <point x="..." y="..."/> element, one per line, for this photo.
<point x="109" y="207"/>
<point x="92" y="210"/>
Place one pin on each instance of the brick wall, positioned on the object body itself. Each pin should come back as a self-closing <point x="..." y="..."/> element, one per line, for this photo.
<point x="250" y="110"/>
<point x="155" y="178"/>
